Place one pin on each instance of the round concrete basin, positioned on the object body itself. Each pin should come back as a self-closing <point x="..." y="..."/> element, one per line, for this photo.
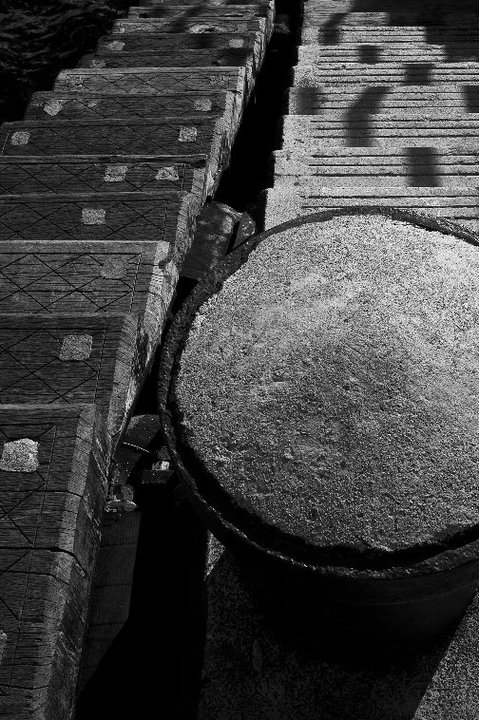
<point x="320" y="395"/>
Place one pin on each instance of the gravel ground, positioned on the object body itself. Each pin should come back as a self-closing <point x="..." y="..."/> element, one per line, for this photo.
<point x="331" y="385"/>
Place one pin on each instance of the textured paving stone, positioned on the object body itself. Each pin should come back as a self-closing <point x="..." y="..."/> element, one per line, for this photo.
<point x="166" y="218"/>
<point x="375" y="53"/>
<point x="308" y="132"/>
<point x="356" y="32"/>
<point x="177" y="42"/>
<point x="346" y="166"/>
<point x="196" y="24"/>
<point x="72" y="360"/>
<point x="89" y="278"/>
<point x="166" y="136"/>
<point x="365" y="99"/>
<point x="121" y="173"/>
<point x="459" y="203"/>
<point x="97" y="106"/>
<point x="179" y="14"/>
<point x="403" y="73"/>
<point x="232" y="57"/>
<point x="49" y="535"/>
<point x="151" y="81"/>
<point x="400" y="16"/>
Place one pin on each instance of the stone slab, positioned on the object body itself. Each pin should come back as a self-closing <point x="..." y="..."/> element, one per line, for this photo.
<point x="303" y="133"/>
<point x="178" y="15"/>
<point x="91" y="278"/>
<point x="340" y="166"/>
<point x="454" y="203"/>
<point x="165" y="218"/>
<point x="197" y="24"/>
<point x="232" y="57"/>
<point x="208" y="3"/>
<point x="399" y="16"/>
<point x="151" y="81"/>
<point x="356" y="32"/>
<point x="49" y="537"/>
<point x="403" y="73"/>
<point x="339" y="97"/>
<point x="87" y="174"/>
<point x="353" y="6"/>
<point x="72" y="360"/>
<point x="177" y="42"/>
<point x="99" y="106"/>
<point x="372" y="53"/>
<point x="164" y="136"/>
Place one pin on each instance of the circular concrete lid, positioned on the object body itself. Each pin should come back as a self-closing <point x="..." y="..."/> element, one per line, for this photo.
<point x="331" y="388"/>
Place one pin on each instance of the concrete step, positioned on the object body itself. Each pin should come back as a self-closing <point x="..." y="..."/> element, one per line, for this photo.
<point x="374" y="99"/>
<point x="187" y="58"/>
<point x="401" y="167"/>
<point x="180" y="14"/>
<point x="82" y="359"/>
<point x="373" y="54"/>
<point x="303" y="133"/>
<point x="167" y="136"/>
<point x="456" y="203"/>
<point x="397" y="33"/>
<point x="400" y="16"/>
<point x="177" y="42"/>
<point x="150" y="81"/>
<point x="53" y="469"/>
<point x="99" y="106"/>
<point x="165" y="218"/>
<point x="403" y="73"/>
<point x="96" y="277"/>
<point x="191" y="25"/>
<point x="208" y="3"/>
<point x="87" y="174"/>
<point x="350" y="6"/>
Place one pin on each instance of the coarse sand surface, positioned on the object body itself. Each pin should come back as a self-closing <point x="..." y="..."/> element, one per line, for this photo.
<point x="331" y="386"/>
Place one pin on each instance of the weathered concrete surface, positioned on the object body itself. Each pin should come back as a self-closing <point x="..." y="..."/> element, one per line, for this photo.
<point x="122" y="173"/>
<point x="454" y="203"/>
<point x="353" y="167"/>
<point x="329" y="385"/>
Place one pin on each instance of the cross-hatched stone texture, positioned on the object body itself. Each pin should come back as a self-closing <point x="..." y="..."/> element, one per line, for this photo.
<point x="49" y="535"/>
<point x="154" y="217"/>
<point x="94" y="278"/>
<point x="134" y="137"/>
<point x="96" y="174"/>
<point x="151" y="81"/>
<point x="72" y="360"/>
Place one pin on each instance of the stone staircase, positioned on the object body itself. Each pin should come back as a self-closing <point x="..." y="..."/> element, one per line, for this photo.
<point x="383" y="110"/>
<point x="100" y="188"/>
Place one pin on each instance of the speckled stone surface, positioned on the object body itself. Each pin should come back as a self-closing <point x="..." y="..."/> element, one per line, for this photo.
<point x="331" y="385"/>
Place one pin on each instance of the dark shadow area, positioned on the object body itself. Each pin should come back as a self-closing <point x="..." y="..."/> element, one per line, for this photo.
<point x="155" y="661"/>
<point x="451" y="24"/>
<point x="330" y="32"/>
<point x="417" y="73"/>
<point x="471" y="96"/>
<point x="422" y="166"/>
<point x="310" y="100"/>
<point x="251" y="664"/>
<point x="358" y="116"/>
<point x="37" y="40"/>
<point x="249" y="171"/>
<point x="369" y="54"/>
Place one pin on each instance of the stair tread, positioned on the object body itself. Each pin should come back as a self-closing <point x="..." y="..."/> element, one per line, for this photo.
<point x="121" y="173"/>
